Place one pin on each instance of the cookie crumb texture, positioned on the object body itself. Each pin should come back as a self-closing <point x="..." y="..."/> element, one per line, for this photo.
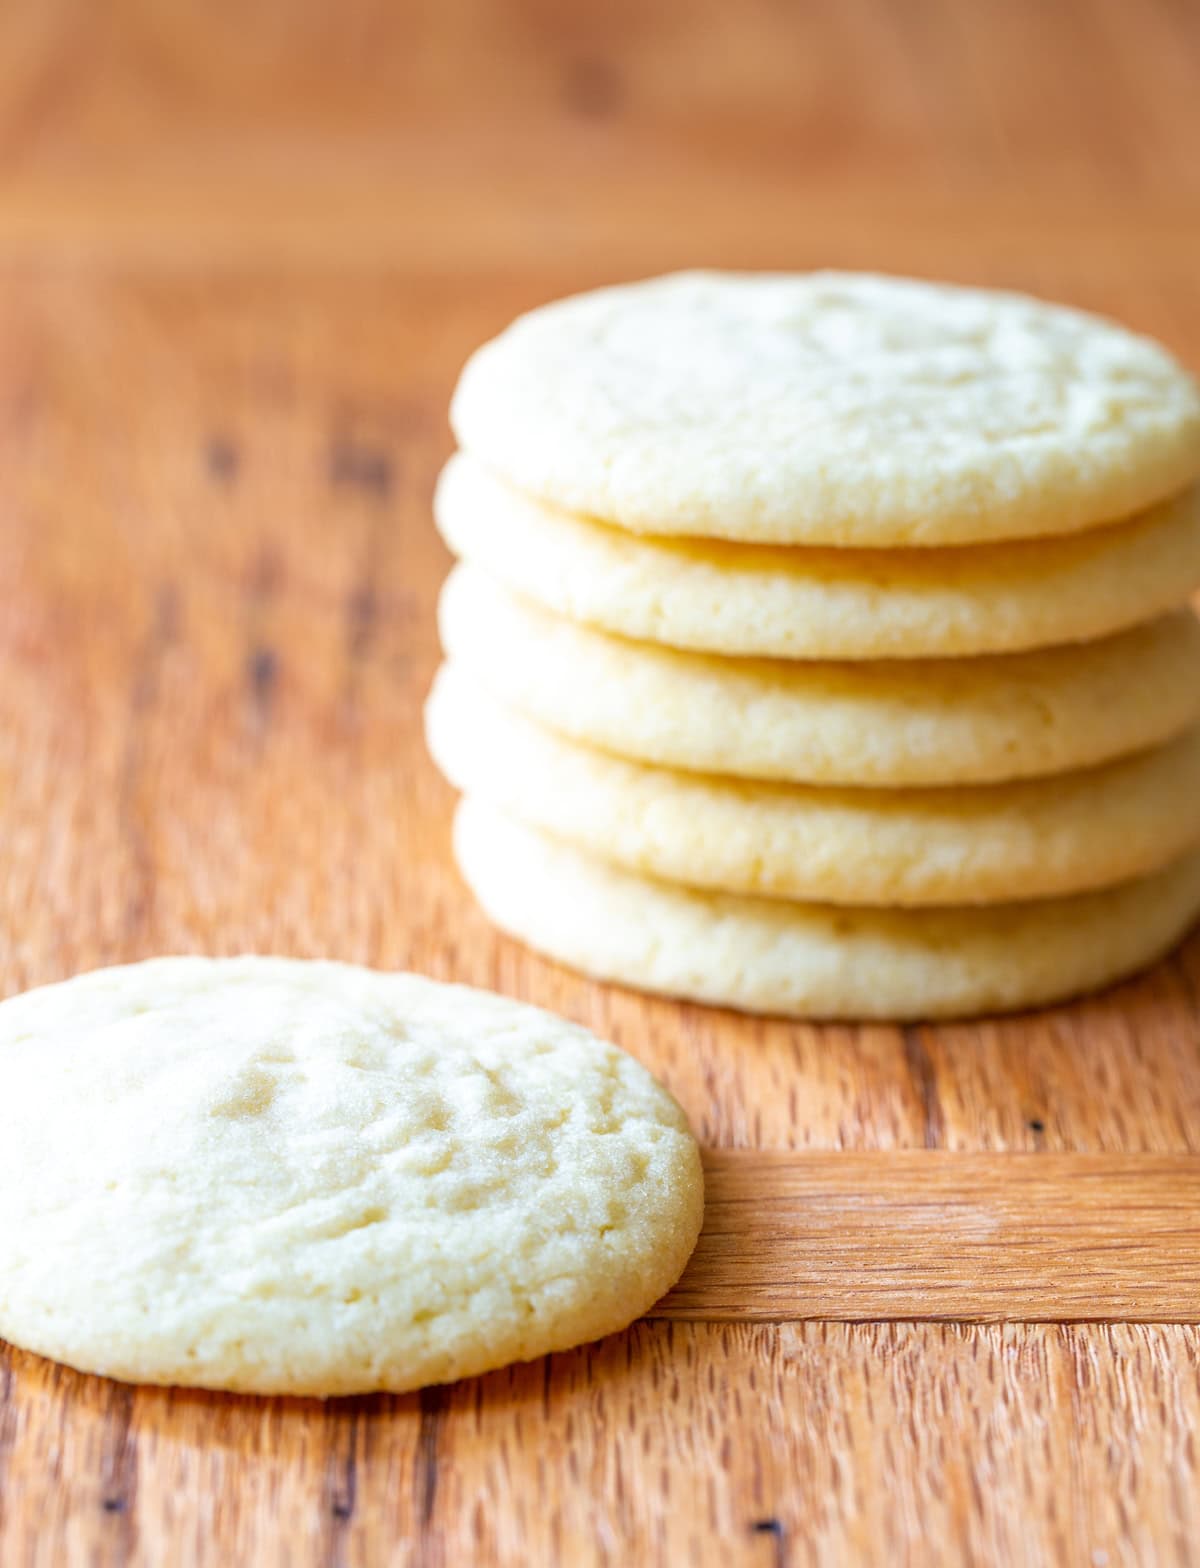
<point x="277" y="1176"/>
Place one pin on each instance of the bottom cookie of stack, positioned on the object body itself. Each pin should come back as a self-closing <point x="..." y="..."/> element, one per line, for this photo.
<point x="814" y="960"/>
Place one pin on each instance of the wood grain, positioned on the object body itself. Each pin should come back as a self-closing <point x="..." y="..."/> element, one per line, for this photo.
<point x="917" y="1235"/>
<point x="243" y="252"/>
<point x="806" y="1443"/>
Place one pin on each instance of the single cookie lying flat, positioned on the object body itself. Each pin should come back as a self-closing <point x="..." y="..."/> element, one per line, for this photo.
<point x="308" y="1178"/>
<point x="781" y="602"/>
<point x="937" y="722"/>
<point x="985" y="844"/>
<point x="829" y="408"/>
<point x="809" y="960"/>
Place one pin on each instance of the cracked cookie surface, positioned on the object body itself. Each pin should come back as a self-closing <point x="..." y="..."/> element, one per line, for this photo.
<point x="829" y="408"/>
<point x="283" y="1176"/>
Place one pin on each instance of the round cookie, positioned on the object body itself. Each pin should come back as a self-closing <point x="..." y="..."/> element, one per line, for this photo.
<point x="832" y="409"/>
<point x="987" y="844"/>
<point x="780" y="602"/>
<point x="809" y="960"/>
<point x="307" y="1178"/>
<point x="937" y="722"/>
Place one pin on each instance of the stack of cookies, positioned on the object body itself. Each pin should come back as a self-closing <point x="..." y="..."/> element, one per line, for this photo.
<point x="820" y="644"/>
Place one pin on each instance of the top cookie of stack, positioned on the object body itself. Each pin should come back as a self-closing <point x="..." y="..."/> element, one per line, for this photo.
<point x="785" y="592"/>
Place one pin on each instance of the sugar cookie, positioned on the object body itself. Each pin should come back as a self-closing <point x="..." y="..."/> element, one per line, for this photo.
<point x="936" y="722"/>
<point x="829" y="408"/>
<point x="813" y="960"/>
<point x="779" y="602"/>
<point x="308" y="1178"/>
<point x="983" y="844"/>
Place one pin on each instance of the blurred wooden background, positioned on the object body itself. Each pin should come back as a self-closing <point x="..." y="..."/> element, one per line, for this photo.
<point x="244" y="248"/>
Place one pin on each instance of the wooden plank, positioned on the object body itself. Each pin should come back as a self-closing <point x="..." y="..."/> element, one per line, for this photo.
<point x="855" y="1444"/>
<point x="858" y="1237"/>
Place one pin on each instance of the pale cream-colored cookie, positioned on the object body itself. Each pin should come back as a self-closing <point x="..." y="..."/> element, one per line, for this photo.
<point x="813" y="960"/>
<point x="781" y="602"/>
<point x="308" y="1178"/>
<point x="983" y="844"/>
<point x="827" y="408"/>
<point x="895" y="723"/>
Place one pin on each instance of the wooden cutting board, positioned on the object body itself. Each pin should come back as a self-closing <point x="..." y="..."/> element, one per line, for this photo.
<point x="947" y="1278"/>
<point x="944" y="1307"/>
